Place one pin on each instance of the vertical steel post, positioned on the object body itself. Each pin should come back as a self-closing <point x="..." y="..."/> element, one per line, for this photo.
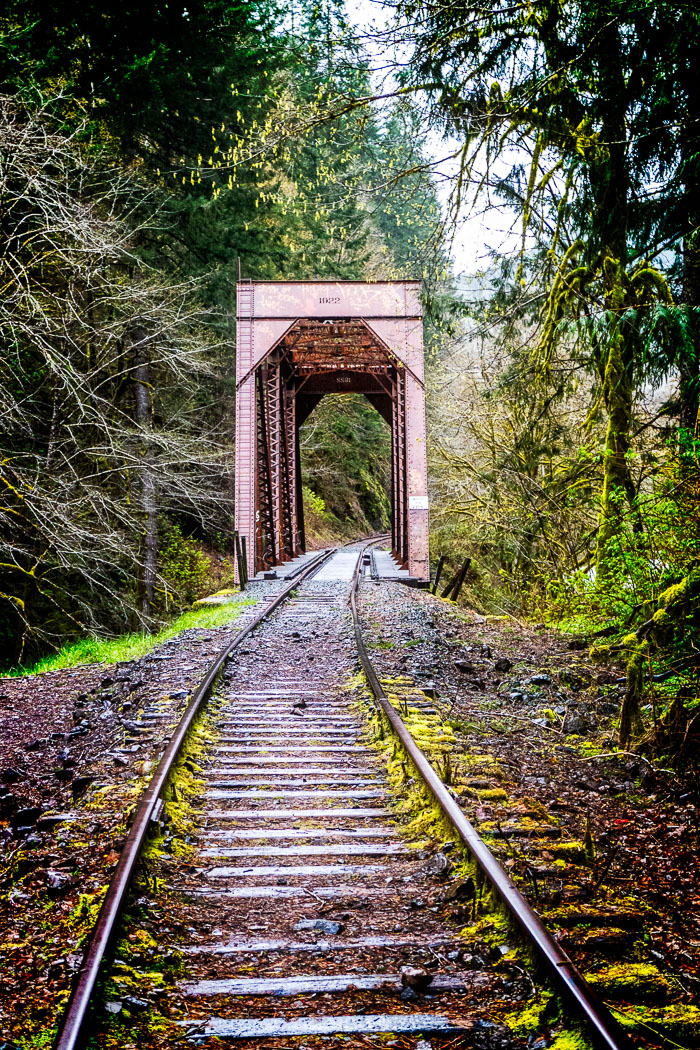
<point x="265" y="531"/>
<point x="290" y="468"/>
<point x="245" y="560"/>
<point x="246" y="429"/>
<point x="417" y="532"/>
<point x="273" y="418"/>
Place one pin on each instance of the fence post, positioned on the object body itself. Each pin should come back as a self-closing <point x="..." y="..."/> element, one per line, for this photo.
<point x="449" y="585"/>
<point x="438" y="572"/>
<point x="460" y="581"/>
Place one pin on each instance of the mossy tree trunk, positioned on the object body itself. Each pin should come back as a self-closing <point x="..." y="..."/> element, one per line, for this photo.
<point x="610" y="187"/>
<point x="617" y="483"/>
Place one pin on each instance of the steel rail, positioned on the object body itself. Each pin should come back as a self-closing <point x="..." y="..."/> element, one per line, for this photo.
<point x="71" y="1027"/>
<point x="605" y="1030"/>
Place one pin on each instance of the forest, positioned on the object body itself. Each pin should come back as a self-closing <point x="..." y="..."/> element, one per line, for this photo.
<point x="150" y="153"/>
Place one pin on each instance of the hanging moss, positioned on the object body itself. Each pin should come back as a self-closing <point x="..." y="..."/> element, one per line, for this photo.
<point x="673" y="607"/>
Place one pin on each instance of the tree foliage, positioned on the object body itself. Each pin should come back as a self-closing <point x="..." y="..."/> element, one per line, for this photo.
<point x="143" y="162"/>
<point x="72" y="443"/>
<point x="582" y="119"/>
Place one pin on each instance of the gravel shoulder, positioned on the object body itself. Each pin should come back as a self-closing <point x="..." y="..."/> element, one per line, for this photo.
<point x="535" y="721"/>
<point x="76" y="748"/>
<point x="583" y="829"/>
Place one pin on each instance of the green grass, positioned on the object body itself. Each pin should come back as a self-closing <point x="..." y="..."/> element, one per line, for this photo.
<point x="130" y="646"/>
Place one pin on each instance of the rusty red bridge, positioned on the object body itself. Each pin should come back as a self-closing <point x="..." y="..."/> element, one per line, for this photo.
<point x="296" y="342"/>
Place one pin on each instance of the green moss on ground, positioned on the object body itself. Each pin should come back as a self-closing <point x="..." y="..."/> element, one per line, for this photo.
<point x="626" y="981"/>
<point x="131" y="646"/>
<point x="678" y="1023"/>
<point x="578" y="914"/>
<point x="575" y="851"/>
<point x="531" y="1019"/>
<point x="491" y="794"/>
<point x="570" y="1039"/>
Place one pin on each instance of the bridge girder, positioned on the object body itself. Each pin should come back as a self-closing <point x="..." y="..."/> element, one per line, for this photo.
<point x="297" y="342"/>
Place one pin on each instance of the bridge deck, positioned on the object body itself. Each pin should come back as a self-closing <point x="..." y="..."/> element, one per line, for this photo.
<point x="340" y="567"/>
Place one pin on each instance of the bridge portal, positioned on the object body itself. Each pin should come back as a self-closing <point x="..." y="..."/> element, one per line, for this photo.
<point x="296" y="342"/>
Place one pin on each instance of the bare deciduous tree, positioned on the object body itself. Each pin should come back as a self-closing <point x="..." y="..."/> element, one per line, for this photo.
<point x="102" y="373"/>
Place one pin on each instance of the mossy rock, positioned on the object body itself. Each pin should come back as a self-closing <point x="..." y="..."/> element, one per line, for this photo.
<point x="492" y="795"/>
<point x="631" y="982"/>
<point x="678" y="1023"/>
<point x="567" y="850"/>
<point x="580" y="914"/>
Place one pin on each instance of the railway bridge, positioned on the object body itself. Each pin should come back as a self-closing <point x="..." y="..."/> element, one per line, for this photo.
<point x="296" y="342"/>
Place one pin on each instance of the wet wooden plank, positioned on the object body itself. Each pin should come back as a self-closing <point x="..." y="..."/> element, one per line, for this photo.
<point x="270" y="871"/>
<point x="351" y="1024"/>
<point x="266" y="735"/>
<point x="355" y="849"/>
<point x="266" y="731"/>
<point x="236" y="760"/>
<point x="295" y="814"/>
<point x="312" y="984"/>
<point x="293" y="771"/>
<point x="349" y="892"/>
<point x="331" y="779"/>
<point x="323" y="944"/>
<point x="222" y="793"/>
<point x="301" y="833"/>
<point x="297" y="749"/>
<point x="301" y="719"/>
<point x="285" y="702"/>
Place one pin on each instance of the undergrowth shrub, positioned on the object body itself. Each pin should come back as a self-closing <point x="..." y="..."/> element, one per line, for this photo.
<point x="184" y="567"/>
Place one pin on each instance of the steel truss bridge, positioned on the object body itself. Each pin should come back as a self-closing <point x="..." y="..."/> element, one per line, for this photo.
<point x="296" y="342"/>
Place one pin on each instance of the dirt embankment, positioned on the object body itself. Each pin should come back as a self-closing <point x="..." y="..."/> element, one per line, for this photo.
<point x="604" y="844"/>
<point x="76" y="747"/>
<point x="534" y="723"/>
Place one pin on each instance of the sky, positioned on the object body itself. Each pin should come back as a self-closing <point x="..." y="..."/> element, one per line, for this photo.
<point x="480" y="228"/>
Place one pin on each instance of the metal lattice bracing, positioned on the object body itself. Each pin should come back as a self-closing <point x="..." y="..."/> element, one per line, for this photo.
<point x="297" y="342"/>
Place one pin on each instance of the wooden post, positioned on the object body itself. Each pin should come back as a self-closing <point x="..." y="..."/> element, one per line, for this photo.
<point x="455" y="585"/>
<point x="438" y="572"/>
<point x="449" y="585"/>
<point x="460" y="581"/>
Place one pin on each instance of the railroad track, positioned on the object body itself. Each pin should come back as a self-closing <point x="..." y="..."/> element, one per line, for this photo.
<point x="300" y="911"/>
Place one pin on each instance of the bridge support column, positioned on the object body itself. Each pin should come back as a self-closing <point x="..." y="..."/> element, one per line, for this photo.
<point x="398" y="443"/>
<point x="246" y="456"/>
<point x="417" y="546"/>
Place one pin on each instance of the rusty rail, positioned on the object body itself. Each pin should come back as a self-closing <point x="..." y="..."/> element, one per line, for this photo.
<point x="72" y="1025"/>
<point x="605" y="1030"/>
